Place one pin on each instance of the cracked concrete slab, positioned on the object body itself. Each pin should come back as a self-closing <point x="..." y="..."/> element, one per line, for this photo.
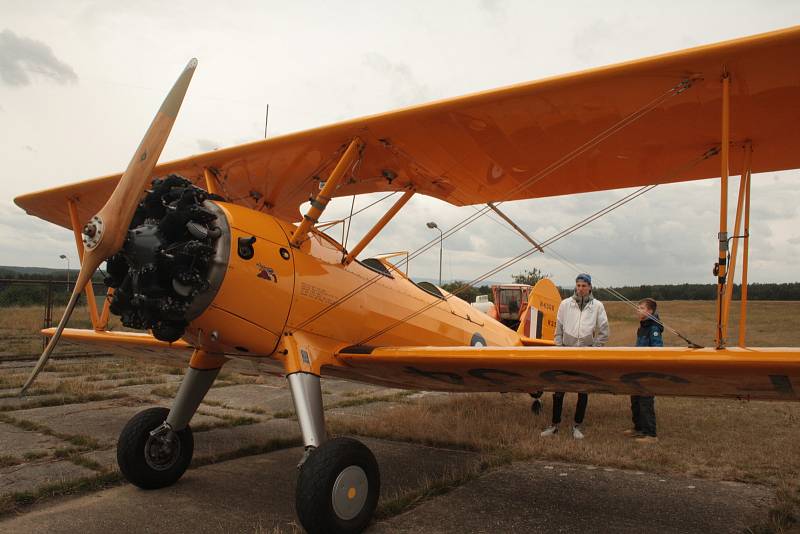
<point x="28" y="477"/>
<point x="251" y="494"/>
<point x="17" y="442"/>
<point x="260" y="396"/>
<point x="219" y="441"/>
<point x="101" y="420"/>
<point x="547" y="497"/>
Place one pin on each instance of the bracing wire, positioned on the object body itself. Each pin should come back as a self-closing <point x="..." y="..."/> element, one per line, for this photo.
<point x="626" y="121"/>
<point x="554" y="238"/>
<point x="521" y="256"/>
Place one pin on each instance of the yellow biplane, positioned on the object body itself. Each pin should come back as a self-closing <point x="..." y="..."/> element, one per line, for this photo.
<point x="216" y="262"/>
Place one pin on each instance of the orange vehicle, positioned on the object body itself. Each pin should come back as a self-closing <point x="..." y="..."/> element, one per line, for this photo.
<point x="508" y="304"/>
<point x="210" y="257"/>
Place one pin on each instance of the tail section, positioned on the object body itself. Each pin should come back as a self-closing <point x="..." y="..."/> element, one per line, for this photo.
<point x="538" y="324"/>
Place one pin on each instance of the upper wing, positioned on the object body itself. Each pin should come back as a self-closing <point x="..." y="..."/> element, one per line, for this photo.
<point x="482" y="147"/>
<point x="763" y="373"/>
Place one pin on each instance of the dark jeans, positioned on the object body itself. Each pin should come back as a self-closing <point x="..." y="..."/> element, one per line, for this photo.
<point x="558" y="406"/>
<point x="643" y="413"/>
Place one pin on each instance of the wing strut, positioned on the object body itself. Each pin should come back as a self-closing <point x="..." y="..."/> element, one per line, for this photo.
<point x="746" y="247"/>
<point x="76" y="229"/>
<point x="721" y="266"/>
<point x="744" y="178"/>
<point x="388" y="216"/>
<point x="319" y="203"/>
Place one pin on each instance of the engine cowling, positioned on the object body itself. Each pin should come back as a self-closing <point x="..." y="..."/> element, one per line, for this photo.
<point x="173" y="260"/>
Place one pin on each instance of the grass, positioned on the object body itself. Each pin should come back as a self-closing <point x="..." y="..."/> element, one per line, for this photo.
<point x="17" y="501"/>
<point x="697" y="438"/>
<point x="249" y="409"/>
<point x="718" y="439"/>
<point x="85" y="443"/>
<point x="696" y="319"/>
<point x="404" y="500"/>
<point x="360" y="401"/>
<point x="226" y="421"/>
<point x="249" y="450"/>
<point x="6" y="460"/>
<point x="20" y="326"/>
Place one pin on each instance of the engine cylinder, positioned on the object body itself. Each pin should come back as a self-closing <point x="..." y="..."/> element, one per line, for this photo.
<point x="173" y="260"/>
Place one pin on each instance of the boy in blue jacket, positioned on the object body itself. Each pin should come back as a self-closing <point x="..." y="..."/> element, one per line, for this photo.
<point x="642" y="406"/>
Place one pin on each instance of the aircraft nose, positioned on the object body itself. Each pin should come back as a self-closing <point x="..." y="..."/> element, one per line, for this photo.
<point x="173" y="259"/>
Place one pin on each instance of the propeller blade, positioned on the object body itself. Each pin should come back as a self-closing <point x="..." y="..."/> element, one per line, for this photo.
<point x="105" y="233"/>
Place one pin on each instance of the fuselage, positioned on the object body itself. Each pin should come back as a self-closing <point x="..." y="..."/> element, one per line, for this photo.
<point x="275" y="289"/>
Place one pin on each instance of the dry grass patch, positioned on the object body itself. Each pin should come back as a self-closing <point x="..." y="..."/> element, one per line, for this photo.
<point x="720" y="439"/>
<point x="766" y="322"/>
<point x="17" y="501"/>
<point x="84" y="443"/>
<point x="20" y="328"/>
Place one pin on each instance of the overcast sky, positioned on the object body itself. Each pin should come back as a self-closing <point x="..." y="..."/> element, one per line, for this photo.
<point x="81" y="80"/>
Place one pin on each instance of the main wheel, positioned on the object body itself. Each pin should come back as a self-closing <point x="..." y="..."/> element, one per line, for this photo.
<point x="152" y="462"/>
<point x="338" y="488"/>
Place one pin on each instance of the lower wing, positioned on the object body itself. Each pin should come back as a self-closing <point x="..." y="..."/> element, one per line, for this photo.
<point x="134" y="344"/>
<point x="754" y="373"/>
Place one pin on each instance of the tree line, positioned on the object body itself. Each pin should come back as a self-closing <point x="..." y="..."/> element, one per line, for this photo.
<point x="15" y="294"/>
<point x="17" y="289"/>
<point x="659" y="292"/>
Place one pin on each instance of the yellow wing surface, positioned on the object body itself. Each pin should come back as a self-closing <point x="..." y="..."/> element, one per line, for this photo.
<point x="499" y="144"/>
<point x="749" y="373"/>
<point x="135" y="344"/>
<point x="763" y="373"/>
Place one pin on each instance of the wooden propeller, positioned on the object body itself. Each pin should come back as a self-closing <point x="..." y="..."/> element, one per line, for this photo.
<point x="105" y="233"/>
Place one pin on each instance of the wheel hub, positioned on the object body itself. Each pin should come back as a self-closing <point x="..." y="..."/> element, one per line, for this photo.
<point x="350" y="492"/>
<point x="162" y="452"/>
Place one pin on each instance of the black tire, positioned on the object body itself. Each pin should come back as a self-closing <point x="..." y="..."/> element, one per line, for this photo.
<point x="314" y="498"/>
<point x="153" y="472"/>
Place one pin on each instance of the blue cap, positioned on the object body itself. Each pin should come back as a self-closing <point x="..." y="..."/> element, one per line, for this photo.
<point x="585" y="277"/>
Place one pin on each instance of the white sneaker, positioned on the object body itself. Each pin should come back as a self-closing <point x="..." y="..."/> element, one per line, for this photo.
<point x="549" y="431"/>
<point x="576" y="432"/>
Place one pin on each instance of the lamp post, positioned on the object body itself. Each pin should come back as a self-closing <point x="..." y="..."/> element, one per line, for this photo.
<point x="65" y="257"/>
<point x="432" y="225"/>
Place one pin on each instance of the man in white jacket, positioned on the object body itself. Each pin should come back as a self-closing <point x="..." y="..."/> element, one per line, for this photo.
<point x="581" y="322"/>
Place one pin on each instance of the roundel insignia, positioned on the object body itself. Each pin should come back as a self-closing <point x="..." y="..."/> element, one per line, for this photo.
<point x="477" y="340"/>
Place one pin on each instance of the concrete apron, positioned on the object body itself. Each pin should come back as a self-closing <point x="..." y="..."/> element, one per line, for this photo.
<point x="250" y="494"/>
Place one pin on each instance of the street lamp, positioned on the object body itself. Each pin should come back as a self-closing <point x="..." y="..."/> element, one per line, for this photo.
<point x="432" y="225"/>
<point x="64" y="257"/>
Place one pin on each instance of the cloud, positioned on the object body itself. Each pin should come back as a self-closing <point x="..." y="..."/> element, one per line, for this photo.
<point x="493" y="7"/>
<point x="20" y="56"/>
<point x="402" y="84"/>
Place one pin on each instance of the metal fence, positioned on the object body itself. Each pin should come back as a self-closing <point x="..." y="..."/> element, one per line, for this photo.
<point x="16" y="335"/>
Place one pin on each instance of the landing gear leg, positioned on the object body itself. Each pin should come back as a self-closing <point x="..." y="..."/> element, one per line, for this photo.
<point x="307" y="397"/>
<point x="339" y="481"/>
<point x="156" y="445"/>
